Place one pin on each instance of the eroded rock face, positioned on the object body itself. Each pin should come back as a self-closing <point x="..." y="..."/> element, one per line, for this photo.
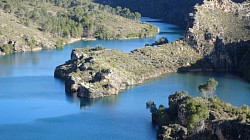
<point x="219" y="30"/>
<point x="77" y="54"/>
<point x="174" y="131"/>
<point x="88" y="78"/>
<point x="231" y="129"/>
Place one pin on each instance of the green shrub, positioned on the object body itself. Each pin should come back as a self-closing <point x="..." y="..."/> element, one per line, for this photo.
<point x="196" y="112"/>
<point x="7" y="48"/>
<point x="59" y="44"/>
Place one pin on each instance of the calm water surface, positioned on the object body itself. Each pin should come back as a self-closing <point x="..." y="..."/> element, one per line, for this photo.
<point x="33" y="105"/>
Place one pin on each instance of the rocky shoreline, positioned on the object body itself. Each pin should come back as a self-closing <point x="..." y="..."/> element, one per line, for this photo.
<point x="99" y="72"/>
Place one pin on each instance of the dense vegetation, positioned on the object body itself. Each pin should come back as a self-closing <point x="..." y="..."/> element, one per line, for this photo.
<point x="195" y="111"/>
<point x="195" y="115"/>
<point x="67" y="19"/>
<point x="75" y="22"/>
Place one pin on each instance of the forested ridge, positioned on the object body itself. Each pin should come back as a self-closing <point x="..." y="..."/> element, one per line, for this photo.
<point x="71" y="23"/>
<point x="173" y="11"/>
<point x="66" y="19"/>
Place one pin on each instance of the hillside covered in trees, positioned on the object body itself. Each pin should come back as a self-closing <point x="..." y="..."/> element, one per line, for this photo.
<point x="30" y="24"/>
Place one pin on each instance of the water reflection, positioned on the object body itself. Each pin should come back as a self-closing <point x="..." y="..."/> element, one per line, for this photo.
<point x="10" y="60"/>
<point x="19" y="59"/>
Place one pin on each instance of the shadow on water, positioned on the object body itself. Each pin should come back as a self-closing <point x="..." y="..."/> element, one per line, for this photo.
<point x="231" y="57"/>
<point x="152" y="21"/>
<point x="163" y="33"/>
<point x="85" y="103"/>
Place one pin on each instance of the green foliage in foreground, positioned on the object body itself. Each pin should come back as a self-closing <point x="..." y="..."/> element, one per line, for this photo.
<point x="191" y="112"/>
<point x="196" y="112"/>
<point x="159" y="115"/>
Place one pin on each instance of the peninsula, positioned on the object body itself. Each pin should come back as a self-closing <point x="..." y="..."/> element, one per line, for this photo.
<point x="99" y="72"/>
<point x="218" y="39"/>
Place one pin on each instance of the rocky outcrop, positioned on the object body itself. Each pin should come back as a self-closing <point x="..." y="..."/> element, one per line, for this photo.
<point x="174" y="131"/>
<point x="100" y="72"/>
<point x="89" y="74"/>
<point x="217" y="23"/>
<point x="199" y="118"/>
<point x="219" y="30"/>
<point x="231" y="129"/>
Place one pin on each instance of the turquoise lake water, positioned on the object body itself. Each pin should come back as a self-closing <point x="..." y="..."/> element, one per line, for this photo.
<point x="34" y="105"/>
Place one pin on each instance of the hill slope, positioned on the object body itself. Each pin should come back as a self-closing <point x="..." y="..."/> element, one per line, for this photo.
<point x="29" y="25"/>
<point x="220" y="32"/>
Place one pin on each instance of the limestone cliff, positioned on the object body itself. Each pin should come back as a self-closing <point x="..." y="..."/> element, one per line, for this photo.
<point x="99" y="72"/>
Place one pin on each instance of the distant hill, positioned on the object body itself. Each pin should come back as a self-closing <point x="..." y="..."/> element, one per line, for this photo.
<point x="173" y="11"/>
